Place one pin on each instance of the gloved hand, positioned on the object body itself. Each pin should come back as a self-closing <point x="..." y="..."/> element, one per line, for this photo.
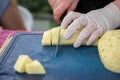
<point x="60" y="6"/>
<point x="94" y="23"/>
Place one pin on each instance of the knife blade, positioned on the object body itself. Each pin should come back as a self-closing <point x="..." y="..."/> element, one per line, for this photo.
<point x="57" y="46"/>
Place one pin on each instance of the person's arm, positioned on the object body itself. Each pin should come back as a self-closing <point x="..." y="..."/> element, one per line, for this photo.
<point x="11" y="18"/>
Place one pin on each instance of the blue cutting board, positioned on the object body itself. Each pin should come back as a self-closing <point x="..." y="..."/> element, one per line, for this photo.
<point x="71" y="64"/>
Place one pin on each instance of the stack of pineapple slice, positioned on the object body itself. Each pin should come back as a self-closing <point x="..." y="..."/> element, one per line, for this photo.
<point x="25" y="64"/>
<point x="50" y="37"/>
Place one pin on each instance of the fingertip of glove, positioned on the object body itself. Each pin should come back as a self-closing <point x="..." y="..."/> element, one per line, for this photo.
<point x="76" y="44"/>
<point x="63" y="26"/>
<point x="88" y="43"/>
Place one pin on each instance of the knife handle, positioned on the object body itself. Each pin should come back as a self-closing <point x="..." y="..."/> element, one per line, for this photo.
<point x="63" y="15"/>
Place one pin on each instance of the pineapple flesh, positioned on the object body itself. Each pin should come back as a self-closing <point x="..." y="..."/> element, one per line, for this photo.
<point x="25" y="64"/>
<point x="20" y="63"/>
<point x="35" y="67"/>
<point x="109" y="50"/>
<point x="47" y="38"/>
<point x="50" y="37"/>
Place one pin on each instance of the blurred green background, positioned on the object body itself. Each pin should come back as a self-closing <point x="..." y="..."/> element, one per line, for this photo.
<point x="41" y="12"/>
<point x="36" y="6"/>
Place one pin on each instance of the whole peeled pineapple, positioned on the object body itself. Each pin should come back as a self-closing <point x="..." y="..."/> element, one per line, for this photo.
<point x="109" y="50"/>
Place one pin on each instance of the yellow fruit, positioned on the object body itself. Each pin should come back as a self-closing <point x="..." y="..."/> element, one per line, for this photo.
<point x="50" y="37"/>
<point x="109" y="50"/>
<point x="35" y="67"/>
<point x="20" y="63"/>
<point x="47" y="38"/>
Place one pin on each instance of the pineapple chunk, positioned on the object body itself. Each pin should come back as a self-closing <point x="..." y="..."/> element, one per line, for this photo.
<point x="35" y="67"/>
<point x="50" y="37"/>
<point x="109" y="50"/>
<point x="20" y="63"/>
<point x="47" y="38"/>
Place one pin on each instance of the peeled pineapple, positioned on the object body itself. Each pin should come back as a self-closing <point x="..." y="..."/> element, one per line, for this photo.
<point x="47" y="38"/>
<point x="109" y="50"/>
<point x="35" y="67"/>
<point x="50" y="37"/>
<point x="20" y="63"/>
<point x="25" y="64"/>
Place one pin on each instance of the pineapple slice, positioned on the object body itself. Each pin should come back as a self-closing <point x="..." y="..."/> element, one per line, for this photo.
<point x="20" y="63"/>
<point x="50" y="37"/>
<point x="109" y="50"/>
<point x="47" y="38"/>
<point x="35" y="67"/>
<point x="55" y="32"/>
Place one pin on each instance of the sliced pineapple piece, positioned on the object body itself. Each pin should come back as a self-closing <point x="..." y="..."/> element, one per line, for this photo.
<point x="35" y="67"/>
<point x="55" y="32"/>
<point x="20" y="63"/>
<point x="51" y="37"/>
<point x="109" y="50"/>
<point x="47" y="38"/>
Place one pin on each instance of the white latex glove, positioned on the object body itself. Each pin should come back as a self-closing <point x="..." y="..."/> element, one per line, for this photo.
<point x="94" y="23"/>
<point x="60" y="6"/>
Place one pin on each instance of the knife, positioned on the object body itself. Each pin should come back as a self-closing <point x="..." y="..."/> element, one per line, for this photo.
<point x="57" y="46"/>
